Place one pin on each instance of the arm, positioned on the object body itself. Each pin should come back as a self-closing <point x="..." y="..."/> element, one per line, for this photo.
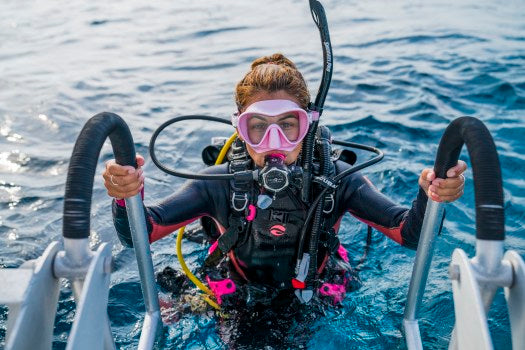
<point x="403" y="225"/>
<point x="367" y="204"/>
<point x="196" y="198"/>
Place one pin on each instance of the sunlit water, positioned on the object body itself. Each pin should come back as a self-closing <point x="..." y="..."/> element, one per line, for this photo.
<point x="402" y="71"/>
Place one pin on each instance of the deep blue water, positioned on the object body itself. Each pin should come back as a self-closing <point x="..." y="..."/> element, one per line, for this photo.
<point x="402" y="71"/>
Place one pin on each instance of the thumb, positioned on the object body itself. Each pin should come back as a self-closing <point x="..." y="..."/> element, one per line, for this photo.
<point x="427" y="175"/>
<point x="140" y="160"/>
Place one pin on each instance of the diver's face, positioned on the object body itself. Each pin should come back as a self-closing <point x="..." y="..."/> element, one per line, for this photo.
<point x="258" y="158"/>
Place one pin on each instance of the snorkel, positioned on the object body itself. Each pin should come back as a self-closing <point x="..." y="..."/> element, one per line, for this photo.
<point x="306" y="267"/>
<point x="319" y="18"/>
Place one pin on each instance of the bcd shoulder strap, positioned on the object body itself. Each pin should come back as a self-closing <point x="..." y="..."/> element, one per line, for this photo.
<point x="241" y="188"/>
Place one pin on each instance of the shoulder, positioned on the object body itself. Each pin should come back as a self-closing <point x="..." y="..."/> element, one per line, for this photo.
<point x="216" y="169"/>
<point x="353" y="181"/>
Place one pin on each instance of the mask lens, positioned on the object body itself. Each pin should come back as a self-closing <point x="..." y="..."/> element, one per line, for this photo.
<point x="290" y="125"/>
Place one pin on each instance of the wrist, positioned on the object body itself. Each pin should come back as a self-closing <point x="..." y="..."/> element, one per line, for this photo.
<point x="121" y="202"/>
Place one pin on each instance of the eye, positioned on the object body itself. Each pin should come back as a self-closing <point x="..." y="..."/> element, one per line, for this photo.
<point x="258" y="126"/>
<point x="289" y="123"/>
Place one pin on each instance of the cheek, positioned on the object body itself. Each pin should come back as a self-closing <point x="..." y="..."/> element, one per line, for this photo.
<point x="258" y="159"/>
<point x="292" y="156"/>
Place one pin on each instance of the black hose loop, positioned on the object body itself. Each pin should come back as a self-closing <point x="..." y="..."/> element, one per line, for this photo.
<point x="183" y="174"/>
<point x="490" y="215"/>
<point x="83" y="164"/>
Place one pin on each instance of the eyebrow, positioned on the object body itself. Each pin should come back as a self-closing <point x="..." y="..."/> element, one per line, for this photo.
<point x="263" y="118"/>
<point x="287" y="116"/>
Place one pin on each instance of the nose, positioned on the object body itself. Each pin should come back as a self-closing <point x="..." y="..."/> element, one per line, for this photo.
<point x="274" y="139"/>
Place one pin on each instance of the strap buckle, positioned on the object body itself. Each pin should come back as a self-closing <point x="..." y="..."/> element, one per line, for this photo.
<point x="329" y="199"/>
<point x="239" y="197"/>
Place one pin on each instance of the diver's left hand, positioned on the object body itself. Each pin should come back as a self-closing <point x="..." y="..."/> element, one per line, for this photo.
<point x="444" y="190"/>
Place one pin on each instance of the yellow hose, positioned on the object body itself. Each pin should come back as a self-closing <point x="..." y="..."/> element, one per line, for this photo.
<point x="185" y="268"/>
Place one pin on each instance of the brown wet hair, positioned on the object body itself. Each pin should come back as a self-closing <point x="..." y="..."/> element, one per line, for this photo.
<point x="270" y="74"/>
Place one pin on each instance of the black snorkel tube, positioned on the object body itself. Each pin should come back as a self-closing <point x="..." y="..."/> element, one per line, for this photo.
<point x="319" y="18"/>
<point x="307" y="262"/>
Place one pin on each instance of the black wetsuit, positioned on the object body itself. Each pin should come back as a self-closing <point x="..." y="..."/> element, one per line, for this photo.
<point x="198" y="198"/>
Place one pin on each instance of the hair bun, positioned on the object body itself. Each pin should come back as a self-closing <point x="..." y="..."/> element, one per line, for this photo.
<point x="277" y="58"/>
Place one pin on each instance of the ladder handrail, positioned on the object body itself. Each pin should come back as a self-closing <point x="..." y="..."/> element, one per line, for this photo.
<point x="489" y="209"/>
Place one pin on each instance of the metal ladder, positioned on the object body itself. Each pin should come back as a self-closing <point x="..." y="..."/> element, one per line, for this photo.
<point x="474" y="281"/>
<point x="31" y="291"/>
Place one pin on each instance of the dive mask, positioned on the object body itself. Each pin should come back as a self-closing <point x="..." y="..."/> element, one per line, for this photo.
<point x="273" y="125"/>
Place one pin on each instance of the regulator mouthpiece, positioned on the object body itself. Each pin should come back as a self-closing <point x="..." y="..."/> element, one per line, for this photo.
<point x="276" y="176"/>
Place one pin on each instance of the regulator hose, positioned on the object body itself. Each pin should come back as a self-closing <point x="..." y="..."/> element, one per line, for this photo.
<point x="327" y="170"/>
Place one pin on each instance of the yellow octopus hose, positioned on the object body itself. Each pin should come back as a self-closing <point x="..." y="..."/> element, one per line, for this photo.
<point x="191" y="276"/>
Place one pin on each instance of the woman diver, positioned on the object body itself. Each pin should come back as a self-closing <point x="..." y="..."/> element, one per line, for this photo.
<point x="259" y="221"/>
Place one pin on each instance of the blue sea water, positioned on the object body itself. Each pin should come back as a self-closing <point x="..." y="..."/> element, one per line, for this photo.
<point x="402" y="71"/>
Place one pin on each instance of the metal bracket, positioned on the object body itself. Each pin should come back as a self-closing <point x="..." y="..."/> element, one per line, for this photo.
<point x="515" y="296"/>
<point x="32" y="313"/>
<point x="91" y="317"/>
<point x="471" y="321"/>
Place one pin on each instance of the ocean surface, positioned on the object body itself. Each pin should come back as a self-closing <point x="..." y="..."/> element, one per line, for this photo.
<point x="402" y="71"/>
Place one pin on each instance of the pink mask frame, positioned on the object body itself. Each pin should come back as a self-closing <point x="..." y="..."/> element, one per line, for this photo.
<point x="274" y="138"/>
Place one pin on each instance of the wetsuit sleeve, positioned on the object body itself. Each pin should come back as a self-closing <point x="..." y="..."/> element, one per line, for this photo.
<point x="361" y="198"/>
<point x="194" y="199"/>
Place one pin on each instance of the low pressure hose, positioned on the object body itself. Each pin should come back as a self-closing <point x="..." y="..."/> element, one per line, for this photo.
<point x="327" y="170"/>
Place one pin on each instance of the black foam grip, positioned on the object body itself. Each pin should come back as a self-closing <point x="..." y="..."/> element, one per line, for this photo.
<point x="83" y="164"/>
<point x="490" y="215"/>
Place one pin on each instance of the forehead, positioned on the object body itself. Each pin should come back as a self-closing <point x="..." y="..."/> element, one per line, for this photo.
<point x="265" y="95"/>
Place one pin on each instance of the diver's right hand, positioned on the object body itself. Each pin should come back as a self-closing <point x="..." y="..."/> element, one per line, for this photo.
<point x="123" y="181"/>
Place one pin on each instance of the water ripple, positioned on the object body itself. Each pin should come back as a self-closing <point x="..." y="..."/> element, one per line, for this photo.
<point x="416" y="39"/>
<point x="401" y="73"/>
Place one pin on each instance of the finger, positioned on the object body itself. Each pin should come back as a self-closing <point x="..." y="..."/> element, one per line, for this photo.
<point x="119" y="192"/>
<point x="140" y="160"/>
<point x="117" y="180"/>
<point x="432" y="195"/>
<point x="123" y="183"/>
<point x="132" y="192"/>
<point x="129" y="179"/>
<point x="428" y="174"/>
<point x="457" y="170"/>
<point x="445" y="191"/>
<point x="451" y="198"/>
<point x="124" y="188"/>
<point x="424" y="181"/>
<point x="451" y="182"/>
<point x="120" y="170"/>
